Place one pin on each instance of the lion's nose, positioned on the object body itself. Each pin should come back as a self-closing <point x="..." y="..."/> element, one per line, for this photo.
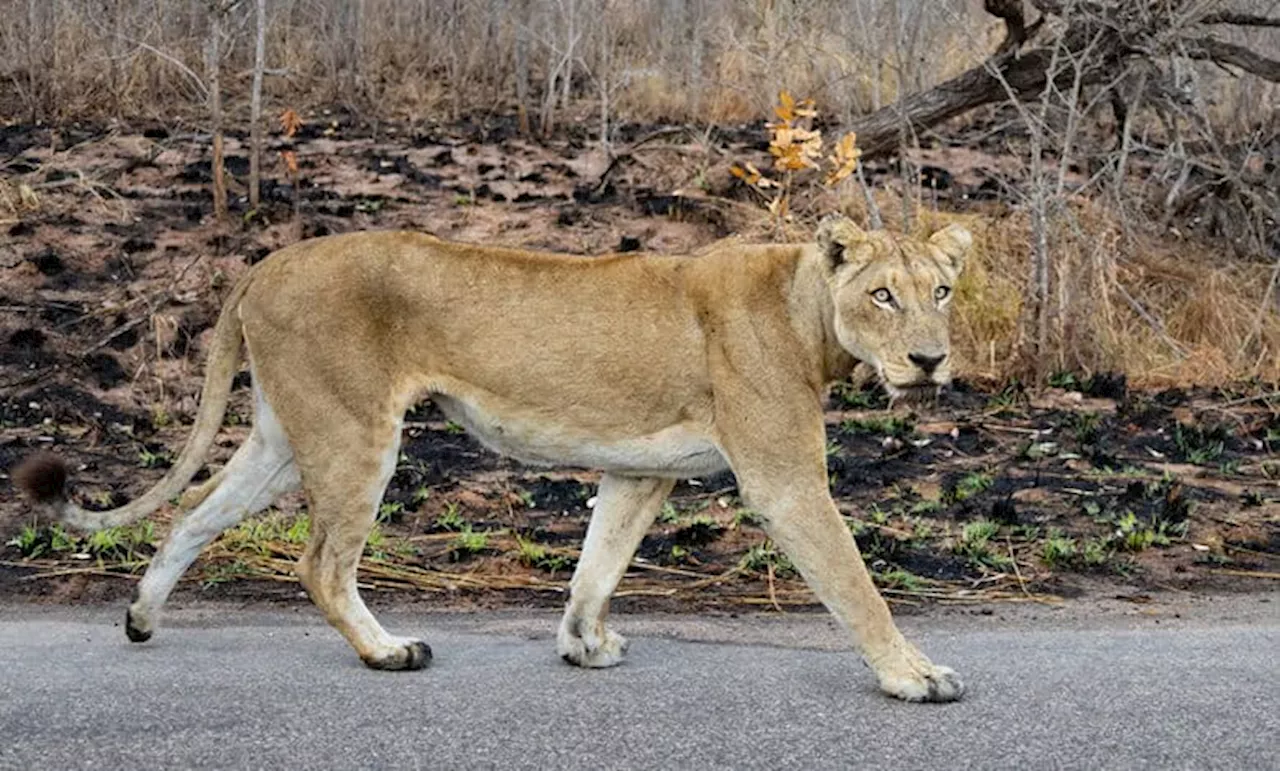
<point x="926" y="363"/>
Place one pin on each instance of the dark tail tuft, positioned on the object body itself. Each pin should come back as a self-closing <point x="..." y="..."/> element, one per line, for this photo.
<point x="43" y="477"/>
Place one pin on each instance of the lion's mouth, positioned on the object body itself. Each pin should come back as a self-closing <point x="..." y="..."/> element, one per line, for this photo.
<point x="913" y="393"/>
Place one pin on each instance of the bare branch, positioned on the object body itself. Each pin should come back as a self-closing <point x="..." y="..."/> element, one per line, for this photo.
<point x="195" y="79"/>
<point x="1240" y="19"/>
<point x="1232" y="54"/>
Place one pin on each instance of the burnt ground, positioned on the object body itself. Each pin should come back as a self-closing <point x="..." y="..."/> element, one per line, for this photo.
<point x="110" y="278"/>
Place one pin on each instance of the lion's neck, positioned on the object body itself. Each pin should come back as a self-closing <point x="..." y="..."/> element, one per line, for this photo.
<point x="814" y="315"/>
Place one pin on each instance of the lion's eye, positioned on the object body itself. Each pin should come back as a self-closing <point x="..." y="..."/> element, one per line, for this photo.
<point x="882" y="296"/>
<point x="941" y="293"/>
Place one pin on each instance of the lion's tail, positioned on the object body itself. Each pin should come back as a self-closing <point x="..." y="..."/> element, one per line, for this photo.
<point x="44" y="476"/>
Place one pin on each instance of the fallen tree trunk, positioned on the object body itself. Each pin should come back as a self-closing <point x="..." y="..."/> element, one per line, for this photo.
<point x="1098" y="36"/>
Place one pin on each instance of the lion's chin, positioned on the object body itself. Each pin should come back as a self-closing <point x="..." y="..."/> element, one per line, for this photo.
<point x="912" y="393"/>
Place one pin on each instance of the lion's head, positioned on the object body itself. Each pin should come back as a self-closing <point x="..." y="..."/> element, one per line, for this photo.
<point x="892" y="296"/>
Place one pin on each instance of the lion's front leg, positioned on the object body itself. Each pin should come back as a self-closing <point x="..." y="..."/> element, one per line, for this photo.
<point x="624" y="509"/>
<point x="776" y="447"/>
<point x="811" y="532"/>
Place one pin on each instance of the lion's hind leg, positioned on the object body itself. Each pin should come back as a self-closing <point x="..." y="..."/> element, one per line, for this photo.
<point x="345" y="484"/>
<point x="625" y="507"/>
<point x="260" y="471"/>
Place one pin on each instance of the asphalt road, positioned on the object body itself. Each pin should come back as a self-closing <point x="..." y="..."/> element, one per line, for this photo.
<point x="228" y="688"/>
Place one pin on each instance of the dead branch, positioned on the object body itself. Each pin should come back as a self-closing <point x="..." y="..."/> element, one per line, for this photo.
<point x="1100" y="37"/>
<point x="1221" y="52"/>
<point x="1240" y="19"/>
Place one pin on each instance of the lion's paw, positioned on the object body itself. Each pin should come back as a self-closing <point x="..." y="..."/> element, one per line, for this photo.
<point x="908" y="675"/>
<point x="406" y="655"/>
<point x="594" y="651"/>
<point x="137" y="624"/>
<point x="924" y="683"/>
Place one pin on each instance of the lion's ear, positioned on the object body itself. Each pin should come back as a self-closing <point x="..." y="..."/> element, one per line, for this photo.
<point x="836" y="236"/>
<point x="955" y="242"/>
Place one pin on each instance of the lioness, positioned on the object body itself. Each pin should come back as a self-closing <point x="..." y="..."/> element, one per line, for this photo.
<point x="649" y="368"/>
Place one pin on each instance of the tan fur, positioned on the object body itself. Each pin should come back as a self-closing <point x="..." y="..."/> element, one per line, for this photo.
<point x="648" y="368"/>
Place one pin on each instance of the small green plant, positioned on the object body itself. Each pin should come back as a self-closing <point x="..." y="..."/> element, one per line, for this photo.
<point x="1064" y="380"/>
<point x="1028" y="532"/>
<point x="1133" y="534"/>
<point x="1093" y="509"/>
<point x="1007" y="398"/>
<point x="972" y="484"/>
<point x="1058" y="549"/>
<point x="257" y="534"/>
<point x="1201" y="445"/>
<point x="298" y="530"/>
<point x="224" y="572"/>
<point x="451" y="518"/>
<point x="761" y="556"/>
<point x="975" y="544"/>
<point x="898" y="579"/>
<point x="1094" y="552"/>
<point x="747" y="517"/>
<point x="978" y="533"/>
<point x="669" y="514"/>
<point x="160" y="417"/>
<point x="35" y="541"/>
<point x="700" y="531"/>
<point x="897" y="426"/>
<point x="420" y="495"/>
<point x="877" y="515"/>
<point x="390" y="511"/>
<point x="535" y="555"/>
<point x="453" y="428"/>
<point x="125" y="543"/>
<point x="851" y="397"/>
<point x="158" y="459"/>
<point x="27" y="541"/>
<point x="1086" y="427"/>
<point x="526" y="499"/>
<point x="469" y="542"/>
<point x="926" y="507"/>
<point x="375" y="544"/>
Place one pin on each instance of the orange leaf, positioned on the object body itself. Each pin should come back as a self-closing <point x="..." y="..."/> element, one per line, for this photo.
<point x="290" y="122"/>
<point x="844" y="159"/>
<point x="786" y="107"/>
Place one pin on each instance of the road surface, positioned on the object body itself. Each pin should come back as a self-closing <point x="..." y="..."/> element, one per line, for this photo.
<point x="272" y="689"/>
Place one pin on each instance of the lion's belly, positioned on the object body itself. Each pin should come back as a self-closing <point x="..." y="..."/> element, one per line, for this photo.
<point x="676" y="451"/>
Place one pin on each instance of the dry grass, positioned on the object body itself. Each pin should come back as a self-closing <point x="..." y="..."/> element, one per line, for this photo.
<point x="275" y="559"/>
<point x="700" y="60"/>
<point x="1203" y="323"/>
<point x="717" y="60"/>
